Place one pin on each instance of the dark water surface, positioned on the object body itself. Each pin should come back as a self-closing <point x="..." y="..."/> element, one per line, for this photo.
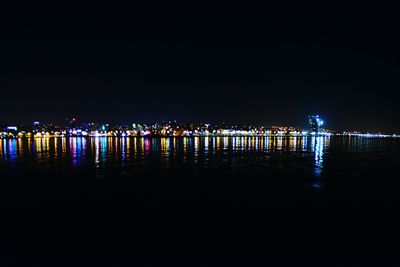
<point x="200" y="172"/>
<point x="167" y="201"/>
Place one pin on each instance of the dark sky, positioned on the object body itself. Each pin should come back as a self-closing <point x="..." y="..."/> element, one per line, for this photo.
<point x="247" y="65"/>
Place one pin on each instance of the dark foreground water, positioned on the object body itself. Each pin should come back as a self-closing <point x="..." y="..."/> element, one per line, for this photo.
<point x="168" y="201"/>
<point x="200" y="172"/>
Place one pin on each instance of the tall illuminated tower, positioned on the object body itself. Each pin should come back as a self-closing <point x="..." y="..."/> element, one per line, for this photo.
<point x="315" y="123"/>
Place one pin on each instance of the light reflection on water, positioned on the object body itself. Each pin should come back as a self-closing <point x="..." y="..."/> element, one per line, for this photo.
<point x="318" y="145"/>
<point x="77" y="151"/>
<point x="10" y="150"/>
<point x="101" y="146"/>
<point x="125" y="154"/>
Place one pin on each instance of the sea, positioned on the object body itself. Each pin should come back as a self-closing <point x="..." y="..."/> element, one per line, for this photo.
<point x="200" y="172"/>
<point x="200" y="201"/>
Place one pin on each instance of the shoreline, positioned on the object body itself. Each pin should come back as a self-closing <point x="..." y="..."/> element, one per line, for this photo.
<point x="203" y="136"/>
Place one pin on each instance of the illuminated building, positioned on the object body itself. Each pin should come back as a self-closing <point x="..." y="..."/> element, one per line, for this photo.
<point x="12" y="128"/>
<point x="315" y="123"/>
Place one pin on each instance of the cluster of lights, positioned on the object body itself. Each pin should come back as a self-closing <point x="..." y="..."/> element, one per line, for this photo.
<point x="72" y="129"/>
<point x="379" y="135"/>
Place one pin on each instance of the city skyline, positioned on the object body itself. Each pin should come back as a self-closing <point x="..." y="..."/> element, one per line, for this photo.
<point x="72" y="127"/>
<point x="301" y="126"/>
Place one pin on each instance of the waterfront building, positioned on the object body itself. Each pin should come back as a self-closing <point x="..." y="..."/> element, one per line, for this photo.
<point x="315" y="123"/>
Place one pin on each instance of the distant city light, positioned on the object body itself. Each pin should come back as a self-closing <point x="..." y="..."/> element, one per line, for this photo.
<point x="145" y="133"/>
<point x="174" y="129"/>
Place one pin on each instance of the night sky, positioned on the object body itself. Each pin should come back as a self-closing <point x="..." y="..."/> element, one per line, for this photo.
<point x="260" y="66"/>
